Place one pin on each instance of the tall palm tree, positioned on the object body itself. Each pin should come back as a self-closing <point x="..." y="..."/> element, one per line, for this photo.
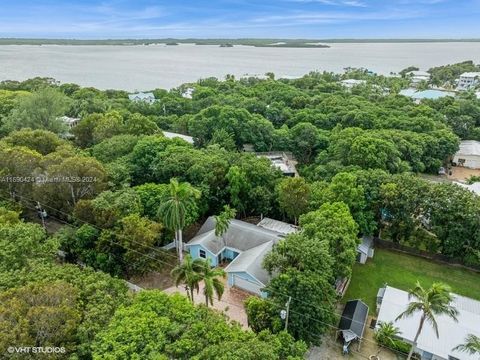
<point x="174" y="207"/>
<point x="430" y="303"/>
<point x="471" y="345"/>
<point x="386" y="335"/>
<point x="188" y="273"/>
<point x="222" y="221"/>
<point x="212" y="283"/>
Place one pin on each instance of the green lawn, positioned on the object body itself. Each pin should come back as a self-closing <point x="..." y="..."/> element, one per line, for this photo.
<point x="402" y="271"/>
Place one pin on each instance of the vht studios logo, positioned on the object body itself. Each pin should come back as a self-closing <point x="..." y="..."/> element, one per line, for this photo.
<point x="36" y="350"/>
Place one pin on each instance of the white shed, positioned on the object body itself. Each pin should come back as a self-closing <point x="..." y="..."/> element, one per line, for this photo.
<point x="365" y="250"/>
<point x="468" y="155"/>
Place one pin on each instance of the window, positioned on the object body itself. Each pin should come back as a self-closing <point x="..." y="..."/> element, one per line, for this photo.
<point x="202" y="253"/>
<point x="450" y="357"/>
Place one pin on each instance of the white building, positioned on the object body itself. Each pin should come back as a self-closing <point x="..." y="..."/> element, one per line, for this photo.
<point x="418" y="76"/>
<point x="468" y="80"/>
<point x="451" y="333"/>
<point x="351" y="83"/>
<point x="70" y="121"/>
<point x="148" y="97"/>
<point x="365" y="250"/>
<point x="468" y="155"/>
<point x="171" y="135"/>
<point x="188" y="93"/>
<point x="475" y="187"/>
<point x="281" y="161"/>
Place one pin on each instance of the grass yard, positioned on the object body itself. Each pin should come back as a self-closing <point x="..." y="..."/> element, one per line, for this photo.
<point x="402" y="271"/>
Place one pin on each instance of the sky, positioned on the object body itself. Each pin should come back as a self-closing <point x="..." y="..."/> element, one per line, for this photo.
<point x="308" y="19"/>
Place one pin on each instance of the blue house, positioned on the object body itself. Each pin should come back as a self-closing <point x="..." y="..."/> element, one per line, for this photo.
<point x="242" y="247"/>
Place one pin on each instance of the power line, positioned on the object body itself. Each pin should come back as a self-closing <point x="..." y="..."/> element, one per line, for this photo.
<point x="157" y="250"/>
<point x="111" y="241"/>
<point x="165" y="263"/>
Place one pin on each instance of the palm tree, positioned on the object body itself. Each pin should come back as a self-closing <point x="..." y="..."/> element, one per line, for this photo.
<point x="222" y="221"/>
<point x="188" y="272"/>
<point x="430" y="303"/>
<point x="174" y="207"/>
<point x="471" y="345"/>
<point x="212" y="283"/>
<point x="386" y="335"/>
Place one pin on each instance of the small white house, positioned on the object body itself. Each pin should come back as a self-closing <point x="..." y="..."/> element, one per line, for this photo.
<point x="351" y="83"/>
<point x="148" y="97"/>
<point x="70" y="121"/>
<point x="392" y="302"/>
<point x="365" y="250"/>
<point x="468" y="80"/>
<point x="468" y="155"/>
<point x="418" y="76"/>
<point x="188" y="93"/>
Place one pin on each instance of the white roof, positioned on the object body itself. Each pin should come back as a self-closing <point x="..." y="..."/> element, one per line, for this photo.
<point x="353" y="82"/>
<point x="475" y="187"/>
<point x="470" y="74"/>
<point x="419" y="73"/>
<point x="171" y="135"/>
<point x="69" y="120"/>
<point x="278" y="226"/>
<point x="141" y="96"/>
<point x="468" y="147"/>
<point x="365" y="245"/>
<point x="451" y="333"/>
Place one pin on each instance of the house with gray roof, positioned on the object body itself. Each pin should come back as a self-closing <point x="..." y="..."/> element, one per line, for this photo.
<point x="242" y="248"/>
<point x="147" y="97"/>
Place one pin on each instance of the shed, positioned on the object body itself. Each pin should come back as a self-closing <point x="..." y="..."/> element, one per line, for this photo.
<point x="365" y="249"/>
<point x="468" y="154"/>
<point x="353" y="320"/>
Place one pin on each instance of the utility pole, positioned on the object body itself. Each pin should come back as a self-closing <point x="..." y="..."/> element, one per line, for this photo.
<point x="284" y="313"/>
<point x="42" y="214"/>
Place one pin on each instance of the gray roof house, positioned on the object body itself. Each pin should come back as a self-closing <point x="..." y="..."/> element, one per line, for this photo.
<point x="242" y="247"/>
<point x="147" y="97"/>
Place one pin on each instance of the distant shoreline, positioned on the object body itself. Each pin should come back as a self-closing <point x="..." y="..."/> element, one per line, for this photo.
<point x="271" y="43"/>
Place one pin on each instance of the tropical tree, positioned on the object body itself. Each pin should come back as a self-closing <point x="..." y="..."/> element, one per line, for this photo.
<point x="293" y="195"/>
<point x="174" y="207"/>
<point x="386" y="335"/>
<point x="222" y="221"/>
<point x="471" y="345"/>
<point x="212" y="283"/>
<point x="188" y="272"/>
<point x="430" y="303"/>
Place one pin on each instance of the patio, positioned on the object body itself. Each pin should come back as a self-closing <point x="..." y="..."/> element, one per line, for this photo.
<point x="231" y="303"/>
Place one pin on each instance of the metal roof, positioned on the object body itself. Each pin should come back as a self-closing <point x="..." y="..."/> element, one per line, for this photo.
<point x="278" y="226"/>
<point x="475" y="187"/>
<point x="431" y="94"/>
<point x="468" y="147"/>
<point x="171" y="135"/>
<point x="366" y="244"/>
<point x="451" y="333"/>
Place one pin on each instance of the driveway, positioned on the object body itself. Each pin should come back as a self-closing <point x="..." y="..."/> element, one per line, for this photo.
<point x="231" y="303"/>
